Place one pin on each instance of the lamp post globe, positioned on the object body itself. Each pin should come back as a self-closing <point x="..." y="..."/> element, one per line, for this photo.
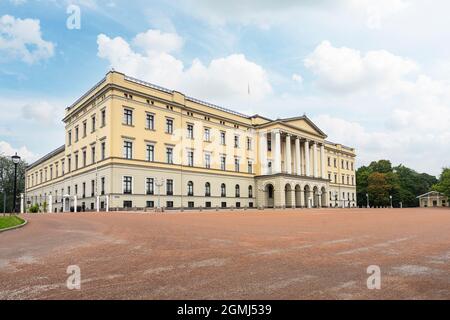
<point x="15" y="159"/>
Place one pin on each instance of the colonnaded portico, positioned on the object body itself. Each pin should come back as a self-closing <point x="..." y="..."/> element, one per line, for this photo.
<point x="293" y="172"/>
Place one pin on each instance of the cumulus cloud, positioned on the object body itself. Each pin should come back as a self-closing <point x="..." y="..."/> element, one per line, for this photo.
<point x="22" y="39"/>
<point x="149" y="57"/>
<point x="42" y="112"/>
<point x="378" y="11"/>
<point x="7" y="150"/>
<point x="408" y="124"/>
<point x="346" y="69"/>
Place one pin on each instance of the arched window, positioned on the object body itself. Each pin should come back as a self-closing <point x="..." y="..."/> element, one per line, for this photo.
<point x="223" y="190"/>
<point x="207" y="189"/>
<point x="238" y="191"/>
<point x="250" y="191"/>
<point x="190" y="188"/>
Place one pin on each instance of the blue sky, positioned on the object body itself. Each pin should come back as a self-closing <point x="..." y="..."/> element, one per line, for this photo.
<point x="372" y="74"/>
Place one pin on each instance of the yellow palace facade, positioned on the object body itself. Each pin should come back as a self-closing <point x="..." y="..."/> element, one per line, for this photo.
<point x="132" y="144"/>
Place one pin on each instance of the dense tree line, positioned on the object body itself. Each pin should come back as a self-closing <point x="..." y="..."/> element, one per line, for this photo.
<point x="7" y="182"/>
<point x="380" y="181"/>
<point x="443" y="184"/>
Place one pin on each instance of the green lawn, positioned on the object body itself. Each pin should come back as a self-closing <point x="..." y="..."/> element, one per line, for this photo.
<point x="9" y="221"/>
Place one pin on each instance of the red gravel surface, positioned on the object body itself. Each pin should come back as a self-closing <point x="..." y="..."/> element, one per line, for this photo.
<point x="282" y="254"/>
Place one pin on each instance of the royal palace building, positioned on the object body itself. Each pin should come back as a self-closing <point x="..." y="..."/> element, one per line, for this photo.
<point x="132" y="144"/>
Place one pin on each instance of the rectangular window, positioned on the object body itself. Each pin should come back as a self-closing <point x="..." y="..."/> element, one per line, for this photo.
<point x="169" y="204"/>
<point x="169" y="155"/>
<point x="222" y="138"/>
<point x="102" y="185"/>
<point x="169" y="187"/>
<point x="150" y="204"/>
<point x="335" y="163"/>
<point x="127" y="185"/>
<point x="236" y="164"/>
<point x="92" y="188"/>
<point x="149" y="186"/>
<point x="150" y="121"/>
<point x="223" y="204"/>
<point x="250" y="167"/>
<point x="169" y="126"/>
<point x="128" y="117"/>
<point x="236" y="141"/>
<point x="352" y="165"/>
<point x="128" y="150"/>
<point x="190" y="131"/>
<point x="150" y="152"/>
<point x="103" y="118"/>
<point x="329" y="161"/>
<point x="207" y="160"/>
<point x="190" y="204"/>
<point x="222" y="163"/>
<point x="76" y="161"/>
<point x="190" y="158"/>
<point x="94" y="159"/>
<point x="93" y="124"/>
<point x="269" y="145"/>
<point x="63" y="169"/>
<point x="76" y="133"/>
<point x="84" y="129"/>
<point x="103" y="150"/>
<point x="69" y="138"/>
<point x="249" y="143"/>
<point x="207" y="134"/>
<point x="127" y="204"/>
<point x="84" y="158"/>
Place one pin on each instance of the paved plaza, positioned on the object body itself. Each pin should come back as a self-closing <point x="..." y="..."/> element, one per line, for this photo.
<point x="252" y="254"/>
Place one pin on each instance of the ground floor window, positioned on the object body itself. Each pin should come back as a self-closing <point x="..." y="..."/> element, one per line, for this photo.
<point x="102" y="205"/>
<point x="150" y="204"/>
<point x="92" y="206"/>
<point x="250" y="204"/>
<point x="223" y="204"/>
<point x="190" y="204"/>
<point x="238" y="204"/>
<point x="169" y="204"/>
<point x="128" y="204"/>
<point x="208" y="204"/>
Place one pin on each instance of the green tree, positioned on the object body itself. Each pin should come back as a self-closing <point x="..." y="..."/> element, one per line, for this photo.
<point x="443" y="185"/>
<point x="378" y="188"/>
<point x="7" y="182"/>
<point x="402" y="183"/>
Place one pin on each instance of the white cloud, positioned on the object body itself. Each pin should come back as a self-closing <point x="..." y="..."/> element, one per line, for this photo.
<point x="42" y="112"/>
<point x="297" y="78"/>
<point x="378" y="11"/>
<point x="155" y="41"/>
<point x="223" y="80"/>
<point x="7" y="150"/>
<point x="345" y="69"/>
<point x="22" y="39"/>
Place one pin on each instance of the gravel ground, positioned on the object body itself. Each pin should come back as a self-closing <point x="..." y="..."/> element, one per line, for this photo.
<point x="284" y="254"/>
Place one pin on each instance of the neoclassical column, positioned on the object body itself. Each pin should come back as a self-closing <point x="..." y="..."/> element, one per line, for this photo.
<point x="50" y="203"/>
<point x="277" y="150"/>
<point x="288" y="160"/>
<point x="315" y="161"/>
<point x="322" y="161"/>
<point x="307" y="168"/>
<point x="297" y="157"/>
<point x="263" y="152"/>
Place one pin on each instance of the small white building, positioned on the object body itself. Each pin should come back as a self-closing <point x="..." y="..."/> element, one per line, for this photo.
<point x="433" y="199"/>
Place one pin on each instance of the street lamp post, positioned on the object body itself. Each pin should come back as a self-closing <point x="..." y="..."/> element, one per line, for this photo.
<point x="15" y="159"/>
<point x="159" y="183"/>
<point x="391" y="201"/>
<point x="367" y="196"/>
